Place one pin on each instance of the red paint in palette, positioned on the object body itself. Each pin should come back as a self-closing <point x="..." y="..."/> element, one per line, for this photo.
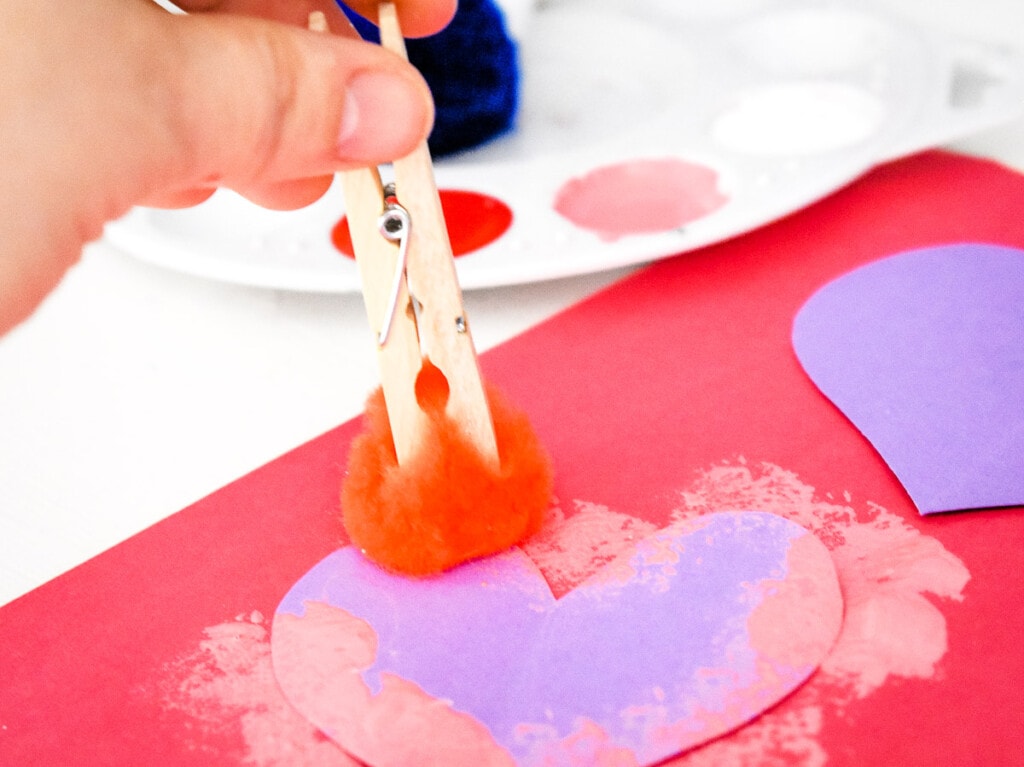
<point x="474" y="220"/>
<point x="640" y="197"/>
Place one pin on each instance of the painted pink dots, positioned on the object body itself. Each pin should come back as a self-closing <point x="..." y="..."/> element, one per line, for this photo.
<point x="474" y="220"/>
<point x="640" y="197"/>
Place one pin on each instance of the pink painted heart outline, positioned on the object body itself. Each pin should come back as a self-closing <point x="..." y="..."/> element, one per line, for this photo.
<point x="370" y="658"/>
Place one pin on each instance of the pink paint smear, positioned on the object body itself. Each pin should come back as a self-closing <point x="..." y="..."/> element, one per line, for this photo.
<point x="891" y="628"/>
<point x="886" y="571"/>
<point x="640" y="197"/>
<point x="228" y="684"/>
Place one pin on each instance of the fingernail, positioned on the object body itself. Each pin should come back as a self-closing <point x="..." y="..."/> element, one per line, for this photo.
<point x="384" y="116"/>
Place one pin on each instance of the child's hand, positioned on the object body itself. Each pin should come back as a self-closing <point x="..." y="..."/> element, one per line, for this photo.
<point x="107" y="104"/>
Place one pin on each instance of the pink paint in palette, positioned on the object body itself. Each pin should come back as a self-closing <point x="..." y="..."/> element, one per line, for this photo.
<point x="693" y="632"/>
<point x="642" y="196"/>
<point x="671" y="127"/>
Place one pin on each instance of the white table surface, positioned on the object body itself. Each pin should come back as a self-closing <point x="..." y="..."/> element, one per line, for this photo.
<point x="135" y="391"/>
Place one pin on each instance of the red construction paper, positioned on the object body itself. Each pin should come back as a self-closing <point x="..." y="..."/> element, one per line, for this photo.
<point x="656" y="398"/>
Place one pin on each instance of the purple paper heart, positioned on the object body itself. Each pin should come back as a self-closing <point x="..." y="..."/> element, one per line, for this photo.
<point x="924" y="353"/>
<point x="694" y="632"/>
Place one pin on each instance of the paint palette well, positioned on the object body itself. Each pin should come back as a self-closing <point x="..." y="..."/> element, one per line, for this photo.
<point x="708" y="121"/>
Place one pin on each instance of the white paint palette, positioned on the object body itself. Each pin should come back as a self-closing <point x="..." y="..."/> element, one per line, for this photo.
<point x="737" y="112"/>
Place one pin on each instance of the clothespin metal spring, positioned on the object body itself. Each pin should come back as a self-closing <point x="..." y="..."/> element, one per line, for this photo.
<point x="395" y="225"/>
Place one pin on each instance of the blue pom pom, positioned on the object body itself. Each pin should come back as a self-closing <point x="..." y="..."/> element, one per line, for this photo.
<point x="472" y="69"/>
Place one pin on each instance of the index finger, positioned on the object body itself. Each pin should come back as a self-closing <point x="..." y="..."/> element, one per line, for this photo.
<point x="295" y="12"/>
<point x="418" y="18"/>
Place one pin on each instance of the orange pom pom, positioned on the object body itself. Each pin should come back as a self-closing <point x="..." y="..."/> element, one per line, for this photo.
<point x="446" y="505"/>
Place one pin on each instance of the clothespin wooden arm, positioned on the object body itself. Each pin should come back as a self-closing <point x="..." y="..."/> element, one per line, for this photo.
<point x="439" y="329"/>
<point x="399" y="358"/>
<point x="444" y="329"/>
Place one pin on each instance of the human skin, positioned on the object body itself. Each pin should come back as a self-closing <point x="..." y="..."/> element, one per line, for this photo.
<point x="107" y="104"/>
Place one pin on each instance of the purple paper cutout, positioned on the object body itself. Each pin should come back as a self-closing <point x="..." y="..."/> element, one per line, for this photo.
<point x="658" y="640"/>
<point x="924" y="353"/>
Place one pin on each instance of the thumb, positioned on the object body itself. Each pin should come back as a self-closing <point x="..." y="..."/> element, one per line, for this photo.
<point x="253" y="105"/>
<point x="123" y="103"/>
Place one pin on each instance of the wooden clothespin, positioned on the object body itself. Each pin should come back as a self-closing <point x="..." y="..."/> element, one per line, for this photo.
<point x="411" y="290"/>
